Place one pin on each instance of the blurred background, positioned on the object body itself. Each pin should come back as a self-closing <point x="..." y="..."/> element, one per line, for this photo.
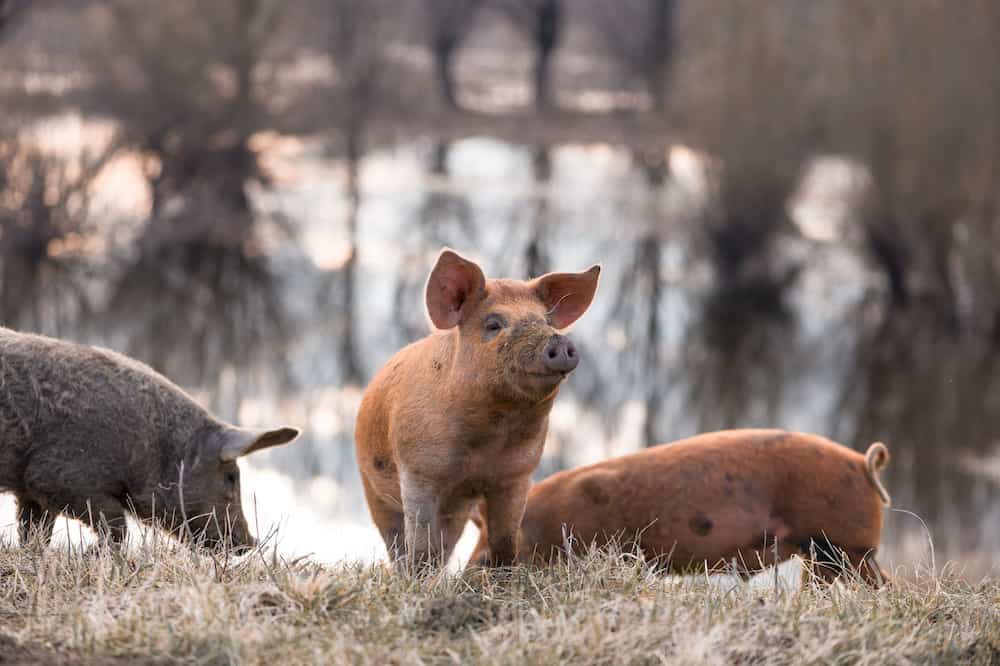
<point x="795" y="203"/>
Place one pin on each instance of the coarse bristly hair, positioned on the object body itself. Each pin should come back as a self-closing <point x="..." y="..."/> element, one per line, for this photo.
<point x="94" y="434"/>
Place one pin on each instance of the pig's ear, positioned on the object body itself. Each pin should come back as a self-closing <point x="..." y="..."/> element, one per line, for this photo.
<point x="242" y="441"/>
<point x="567" y="295"/>
<point x="453" y="289"/>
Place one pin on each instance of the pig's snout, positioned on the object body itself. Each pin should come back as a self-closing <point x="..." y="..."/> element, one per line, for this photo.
<point x="560" y="355"/>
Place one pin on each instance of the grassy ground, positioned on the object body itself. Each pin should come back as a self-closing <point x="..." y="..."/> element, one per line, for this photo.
<point x="163" y="604"/>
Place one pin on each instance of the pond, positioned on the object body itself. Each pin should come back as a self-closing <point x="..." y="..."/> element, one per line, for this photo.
<point x="290" y="332"/>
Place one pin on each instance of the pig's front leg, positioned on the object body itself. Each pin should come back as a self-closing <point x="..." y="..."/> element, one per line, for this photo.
<point x="104" y="514"/>
<point x="419" y="518"/>
<point x="33" y="521"/>
<point x="504" y="512"/>
<point x="432" y="527"/>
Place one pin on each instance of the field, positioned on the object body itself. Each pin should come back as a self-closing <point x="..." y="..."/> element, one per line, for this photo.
<point x="161" y="603"/>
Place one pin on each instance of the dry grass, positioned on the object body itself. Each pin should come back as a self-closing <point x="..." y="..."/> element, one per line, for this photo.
<point x="164" y="604"/>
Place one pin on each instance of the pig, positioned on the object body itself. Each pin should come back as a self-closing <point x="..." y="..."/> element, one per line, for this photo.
<point x="94" y="435"/>
<point x="746" y="497"/>
<point x="462" y="414"/>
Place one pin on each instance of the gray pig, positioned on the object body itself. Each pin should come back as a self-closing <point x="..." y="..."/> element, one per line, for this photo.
<point x="93" y="434"/>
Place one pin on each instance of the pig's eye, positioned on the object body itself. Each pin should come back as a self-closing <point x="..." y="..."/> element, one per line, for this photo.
<point x="493" y="324"/>
<point x="231" y="478"/>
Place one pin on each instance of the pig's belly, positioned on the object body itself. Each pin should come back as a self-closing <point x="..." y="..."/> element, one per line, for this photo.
<point x="712" y="533"/>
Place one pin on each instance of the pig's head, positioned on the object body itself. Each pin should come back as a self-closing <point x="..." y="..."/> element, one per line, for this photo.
<point x="509" y="332"/>
<point x="203" y="501"/>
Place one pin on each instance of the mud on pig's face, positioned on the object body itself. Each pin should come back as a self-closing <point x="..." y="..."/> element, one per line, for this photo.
<point x="510" y="331"/>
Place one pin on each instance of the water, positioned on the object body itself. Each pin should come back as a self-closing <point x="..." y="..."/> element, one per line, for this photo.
<point x="665" y="353"/>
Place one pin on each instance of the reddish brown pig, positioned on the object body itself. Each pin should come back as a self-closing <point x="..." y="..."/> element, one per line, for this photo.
<point x="462" y="414"/>
<point x="749" y="497"/>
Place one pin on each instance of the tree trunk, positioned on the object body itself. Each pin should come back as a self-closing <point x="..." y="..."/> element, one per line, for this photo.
<point x="444" y="56"/>
<point x="890" y="254"/>
<point x="535" y="257"/>
<point x="660" y="51"/>
<point x="547" y="33"/>
<point x="439" y="162"/>
<point x="349" y="363"/>
<point x="649" y="264"/>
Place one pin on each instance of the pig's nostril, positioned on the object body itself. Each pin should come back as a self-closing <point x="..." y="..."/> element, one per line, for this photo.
<point x="560" y="355"/>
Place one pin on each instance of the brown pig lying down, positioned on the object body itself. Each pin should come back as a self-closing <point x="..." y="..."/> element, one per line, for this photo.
<point x="749" y="497"/>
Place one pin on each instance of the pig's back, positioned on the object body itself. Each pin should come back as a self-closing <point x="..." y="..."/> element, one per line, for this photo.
<point x="714" y="462"/>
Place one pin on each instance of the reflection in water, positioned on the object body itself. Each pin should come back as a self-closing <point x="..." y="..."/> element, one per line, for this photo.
<point x="935" y="396"/>
<point x="671" y="348"/>
<point x="45" y="233"/>
<point x="196" y="309"/>
<point x="739" y="354"/>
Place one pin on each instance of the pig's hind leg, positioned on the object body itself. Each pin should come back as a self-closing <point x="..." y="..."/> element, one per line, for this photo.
<point x="69" y="487"/>
<point x="33" y="521"/>
<point x="388" y="518"/>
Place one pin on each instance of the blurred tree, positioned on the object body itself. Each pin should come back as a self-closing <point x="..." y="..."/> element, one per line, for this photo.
<point x="360" y="32"/>
<point x="535" y="254"/>
<point x="739" y="356"/>
<point x="46" y="231"/>
<point x="758" y="120"/>
<point x="640" y="35"/>
<point x="638" y="305"/>
<point x="757" y="115"/>
<point x="450" y="22"/>
<point x="192" y="114"/>
<point x="542" y="22"/>
<point x="10" y="10"/>
<point x="915" y="106"/>
<point x="192" y="87"/>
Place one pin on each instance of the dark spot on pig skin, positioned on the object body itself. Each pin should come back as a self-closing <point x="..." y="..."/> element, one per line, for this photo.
<point x="700" y="525"/>
<point x="436" y="364"/>
<point x="729" y="478"/>
<point x="382" y="464"/>
<point x="595" y="492"/>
